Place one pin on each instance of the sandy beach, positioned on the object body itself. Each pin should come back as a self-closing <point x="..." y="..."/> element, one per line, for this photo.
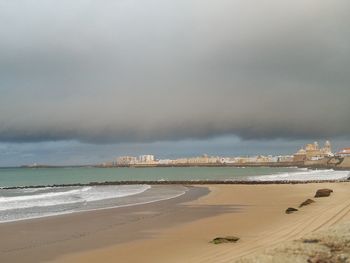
<point x="179" y="230"/>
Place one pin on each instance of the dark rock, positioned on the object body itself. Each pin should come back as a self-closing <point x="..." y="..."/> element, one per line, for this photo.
<point x="311" y="241"/>
<point x="291" y="210"/>
<point x="320" y="259"/>
<point x="227" y="239"/>
<point x="307" y="202"/>
<point x="323" y="192"/>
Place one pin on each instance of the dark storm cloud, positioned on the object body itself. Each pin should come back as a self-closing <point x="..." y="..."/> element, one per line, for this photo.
<point x="118" y="71"/>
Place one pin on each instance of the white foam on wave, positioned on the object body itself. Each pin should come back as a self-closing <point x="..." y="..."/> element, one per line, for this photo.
<point x="50" y="214"/>
<point x="84" y="194"/>
<point x="40" y="196"/>
<point x="303" y="174"/>
<point x="33" y="190"/>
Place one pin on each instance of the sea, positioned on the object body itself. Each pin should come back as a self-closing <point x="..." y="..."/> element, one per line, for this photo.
<point x="28" y="203"/>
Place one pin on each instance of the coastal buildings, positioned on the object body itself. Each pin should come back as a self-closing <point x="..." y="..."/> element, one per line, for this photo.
<point x="132" y="160"/>
<point x="204" y="159"/>
<point x="342" y="159"/>
<point x="199" y="160"/>
<point x="227" y="160"/>
<point x="312" y="152"/>
<point x="285" y="158"/>
<point x="345" y="152"/>
<point x="259" y="159"/>
<point x="148" y="158"/>
<point x="126" y="160"/>
<point x="311" y="155"/>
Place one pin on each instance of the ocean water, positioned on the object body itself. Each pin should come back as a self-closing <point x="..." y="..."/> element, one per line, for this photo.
<point x="49" y="176"/>
<point x="26" y="203"/>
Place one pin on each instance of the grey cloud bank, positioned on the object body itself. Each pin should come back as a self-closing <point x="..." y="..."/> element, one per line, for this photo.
<point x="136" y="71"/>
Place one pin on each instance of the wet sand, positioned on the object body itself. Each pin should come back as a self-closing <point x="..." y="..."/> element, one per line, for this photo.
<point x="179" y="230"/>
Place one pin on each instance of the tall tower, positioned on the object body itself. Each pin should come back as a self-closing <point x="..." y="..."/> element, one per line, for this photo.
<point x="328" y="147"/>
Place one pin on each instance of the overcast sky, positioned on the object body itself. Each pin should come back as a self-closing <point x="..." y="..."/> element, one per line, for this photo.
<point x="81" y="81"/>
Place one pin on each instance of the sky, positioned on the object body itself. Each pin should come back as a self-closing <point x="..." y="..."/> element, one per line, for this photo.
<point x="87" y="80"/>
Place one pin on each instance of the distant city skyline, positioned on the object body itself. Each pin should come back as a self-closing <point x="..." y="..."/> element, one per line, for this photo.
<point x="75" y="153"/>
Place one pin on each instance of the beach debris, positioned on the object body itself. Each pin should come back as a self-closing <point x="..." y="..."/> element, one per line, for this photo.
<point x="290" y="210"/>
<point x="316" y="260"/>
<point x="322" y="259"/>
<point x="307" y="202"/>
<point x="323" y="192"/>
<point x="311" y="241"/>
<point x="227" y="239"/>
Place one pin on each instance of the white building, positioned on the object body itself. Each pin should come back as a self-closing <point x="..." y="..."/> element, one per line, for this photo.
<point x="344" y="152"/>
<point x="126" y="160"/>
<point x="148" y="158"/>
<point x="165" y="161"/>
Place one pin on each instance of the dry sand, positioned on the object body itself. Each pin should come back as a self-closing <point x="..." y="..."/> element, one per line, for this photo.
<point x="174" y="231"/>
